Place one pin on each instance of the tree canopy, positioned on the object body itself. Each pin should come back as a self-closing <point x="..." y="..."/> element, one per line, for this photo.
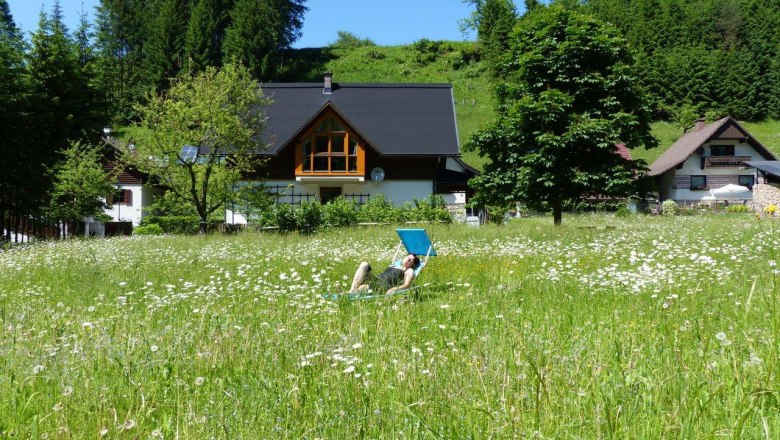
<point x="203" y="133"/>
<point x="567" y="98"/>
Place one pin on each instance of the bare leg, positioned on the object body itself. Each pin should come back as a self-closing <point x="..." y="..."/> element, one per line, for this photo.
<point x="361" y="275"/>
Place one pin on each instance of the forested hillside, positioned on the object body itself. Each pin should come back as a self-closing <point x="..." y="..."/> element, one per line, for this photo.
<point x="704" y="56"/>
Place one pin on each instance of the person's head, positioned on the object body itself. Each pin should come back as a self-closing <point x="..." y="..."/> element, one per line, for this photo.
<point x="410" y="261"/>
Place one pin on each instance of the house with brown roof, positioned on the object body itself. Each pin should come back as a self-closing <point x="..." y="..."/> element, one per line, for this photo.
<point x="708" y="157"/>
<point x="330" y="139"/>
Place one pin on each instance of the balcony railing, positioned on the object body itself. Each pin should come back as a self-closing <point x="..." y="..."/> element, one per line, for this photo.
<point x="723" y="161"/>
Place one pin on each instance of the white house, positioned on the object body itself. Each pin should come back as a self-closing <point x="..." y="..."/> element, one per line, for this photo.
<point x="707" y="158"/>
<point x="357" y="140"/>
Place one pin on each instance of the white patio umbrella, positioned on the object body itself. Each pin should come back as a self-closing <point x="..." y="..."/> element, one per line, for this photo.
<point x="731" y="191"/>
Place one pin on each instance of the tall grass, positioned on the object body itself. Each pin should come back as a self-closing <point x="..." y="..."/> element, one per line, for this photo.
<point x="601" y="328"/>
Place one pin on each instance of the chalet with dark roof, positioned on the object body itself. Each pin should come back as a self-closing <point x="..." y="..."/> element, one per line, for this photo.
<point x="708" y="157"/>
<point x="355" y="140"/>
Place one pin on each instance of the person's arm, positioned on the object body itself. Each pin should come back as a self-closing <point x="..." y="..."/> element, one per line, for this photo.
<point x="408" y="278"/>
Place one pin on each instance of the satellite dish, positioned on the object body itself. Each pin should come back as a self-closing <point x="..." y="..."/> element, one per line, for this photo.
<point x="377" y="174"/>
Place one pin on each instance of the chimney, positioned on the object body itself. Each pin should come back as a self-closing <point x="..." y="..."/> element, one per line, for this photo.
<point x="328" y="86"/>
<point x="700" y="123"/>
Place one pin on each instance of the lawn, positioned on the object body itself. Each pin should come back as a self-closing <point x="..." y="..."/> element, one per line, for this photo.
<point x="604" y="327"/>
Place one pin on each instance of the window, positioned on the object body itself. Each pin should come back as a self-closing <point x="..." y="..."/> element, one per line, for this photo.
<point x="330" y="149"/>
<point x="121" y="196"/>
<point x="721" y="150"/>
<point x="747" y="181"/>
<point x="698" y="182"/>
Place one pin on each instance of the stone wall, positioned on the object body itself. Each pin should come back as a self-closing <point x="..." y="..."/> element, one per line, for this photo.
<point x="765" y="194"/>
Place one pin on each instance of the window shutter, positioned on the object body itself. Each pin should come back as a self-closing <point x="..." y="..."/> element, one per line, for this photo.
<point x="128" y="197"/>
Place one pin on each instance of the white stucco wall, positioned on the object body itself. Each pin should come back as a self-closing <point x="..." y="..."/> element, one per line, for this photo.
<point x="132" y="212"/>
<point x="692" y="167"/>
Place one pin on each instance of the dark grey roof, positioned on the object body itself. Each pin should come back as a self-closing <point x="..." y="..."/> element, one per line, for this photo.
<point x="394" y="119"/>
<point x="768" y="166"/>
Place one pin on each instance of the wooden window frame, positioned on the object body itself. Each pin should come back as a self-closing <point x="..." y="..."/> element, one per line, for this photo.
<point x="334" y="151"/>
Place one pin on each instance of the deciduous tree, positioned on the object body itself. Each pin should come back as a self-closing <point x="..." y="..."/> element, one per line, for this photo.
<point x="568" y="98"/>
<point x="217" y="113"/>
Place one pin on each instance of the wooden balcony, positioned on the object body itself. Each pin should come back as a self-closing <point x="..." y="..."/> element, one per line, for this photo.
<point x="724" y="161"/>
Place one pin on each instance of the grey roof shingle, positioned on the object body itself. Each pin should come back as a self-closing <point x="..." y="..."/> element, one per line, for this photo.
<point x="685" y="146"/>
<point x="395" y="119"/>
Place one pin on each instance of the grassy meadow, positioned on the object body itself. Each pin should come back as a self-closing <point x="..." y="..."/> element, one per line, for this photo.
<point x="641" y="327"/>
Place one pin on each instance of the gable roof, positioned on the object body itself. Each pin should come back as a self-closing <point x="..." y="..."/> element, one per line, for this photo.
<point x="395" y="119"/>
<point x="684" y="147"/>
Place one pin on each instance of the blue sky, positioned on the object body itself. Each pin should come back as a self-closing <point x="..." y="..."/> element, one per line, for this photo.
<point x="385" y="22"/>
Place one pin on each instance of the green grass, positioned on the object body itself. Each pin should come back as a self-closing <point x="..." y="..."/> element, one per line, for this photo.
<point x="641" y="327"/>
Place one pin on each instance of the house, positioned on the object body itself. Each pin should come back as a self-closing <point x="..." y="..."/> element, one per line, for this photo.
<point x="133" y="191"/>
<point x="708" y="157"/>
<point x="327" y="140"/>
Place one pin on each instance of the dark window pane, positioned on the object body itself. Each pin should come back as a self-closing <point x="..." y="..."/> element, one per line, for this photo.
<point x="307" y="146"/>
<point x="352" y="146"/>
<point x="307" y="162"/>
<point x="721" y="150"/>
<point x="353" y="163"/>
<point x="747" y="181"/>
<point x="321" y="144"/>
<point x="698" y="182"/>
<point x="337" y="144"/>
<point x="324" y="126"/>
<point x="338" y="164"/>
<point x="335" y="126"/>
<point x="320" y="164"/>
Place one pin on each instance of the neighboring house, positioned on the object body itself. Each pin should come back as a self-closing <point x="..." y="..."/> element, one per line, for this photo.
<point x="706" y="158"/>
<point x="133" y="191"/>
<point x="356" y="140"/>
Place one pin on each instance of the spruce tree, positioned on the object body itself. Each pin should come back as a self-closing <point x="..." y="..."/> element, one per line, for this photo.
<point x="164" y="43"/>
<point x="202" y="43"/>
<point x="251" y="39"/>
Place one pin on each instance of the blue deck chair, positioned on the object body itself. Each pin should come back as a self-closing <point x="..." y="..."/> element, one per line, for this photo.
<point x="415" y="241"/>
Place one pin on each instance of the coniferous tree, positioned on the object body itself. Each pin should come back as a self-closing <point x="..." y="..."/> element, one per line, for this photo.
<point x="120" y="36"/>
<point x="14" y="150"/>
<point x="202" y="43"/>
<point x="164" y="43"/>
<point x="251" y="39"/>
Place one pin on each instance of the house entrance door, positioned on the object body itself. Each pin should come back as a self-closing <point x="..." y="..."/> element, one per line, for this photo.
<point x="329" y="193"/>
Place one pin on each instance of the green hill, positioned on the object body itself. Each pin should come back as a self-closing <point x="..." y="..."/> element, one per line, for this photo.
<point x="457" y="63"/>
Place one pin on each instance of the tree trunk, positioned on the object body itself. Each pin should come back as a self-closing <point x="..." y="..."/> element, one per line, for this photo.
<point x="557" y="212"/>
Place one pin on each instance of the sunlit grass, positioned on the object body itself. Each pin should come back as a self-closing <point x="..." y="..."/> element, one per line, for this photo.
<point x="635" y="328"/>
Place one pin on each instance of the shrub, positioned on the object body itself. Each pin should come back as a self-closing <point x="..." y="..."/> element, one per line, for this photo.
<point x="431" y="208"/>
<point x="340" y="212"/>
<point x="378" y="210"/>
<point x="623" y="211"/>
<point x="308" y="216"/>
<point x="737" y="208"/>
<point x="285" y="217"/>
<point x="152" y="229"/>
<point x="179" y="224"/>
<point x="669" y="207"/>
